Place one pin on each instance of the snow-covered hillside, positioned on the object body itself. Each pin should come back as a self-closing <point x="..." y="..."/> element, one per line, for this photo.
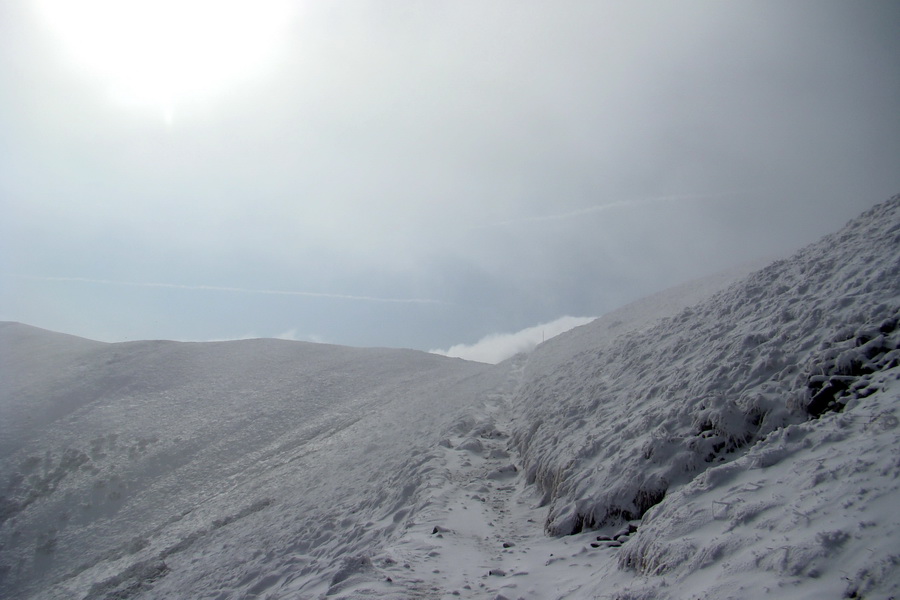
<point x="745" y="445"/>
<point x="761" y="398"/>
<point x="209" y="467"/>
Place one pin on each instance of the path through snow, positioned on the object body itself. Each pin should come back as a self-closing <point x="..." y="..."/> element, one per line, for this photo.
<point x="478" y="529"/>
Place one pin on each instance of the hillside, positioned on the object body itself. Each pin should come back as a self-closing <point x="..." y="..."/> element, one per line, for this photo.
<point x="723" y="430"/>
<point x="134" y="455"/>
<point x="741" y="446"/>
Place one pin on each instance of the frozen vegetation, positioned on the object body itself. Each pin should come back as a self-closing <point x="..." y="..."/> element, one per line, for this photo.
<point x="722" y="440"/>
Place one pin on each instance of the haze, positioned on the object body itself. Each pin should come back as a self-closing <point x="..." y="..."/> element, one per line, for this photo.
<point x="427" y="174"/>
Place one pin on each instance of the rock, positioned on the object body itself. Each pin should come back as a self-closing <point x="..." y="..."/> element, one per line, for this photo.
<point x="471" y="445"/>
<point x="503" y="472"/>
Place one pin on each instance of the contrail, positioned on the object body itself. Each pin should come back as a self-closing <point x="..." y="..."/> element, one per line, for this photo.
<point x="238" y="290"/>
<point x="611" y="205"/>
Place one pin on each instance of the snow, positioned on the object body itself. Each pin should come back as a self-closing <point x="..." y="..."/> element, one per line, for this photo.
<point x="813" y="510"/>
<point x="191" y="450"/>
<point x="733" y="438"/>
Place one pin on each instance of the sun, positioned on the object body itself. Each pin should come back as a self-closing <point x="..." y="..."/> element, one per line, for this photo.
<point x="165" y="54"/>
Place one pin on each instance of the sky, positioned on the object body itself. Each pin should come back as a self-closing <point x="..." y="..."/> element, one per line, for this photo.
<point x="421" y="174"/>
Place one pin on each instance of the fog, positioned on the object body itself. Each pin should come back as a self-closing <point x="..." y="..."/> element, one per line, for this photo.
<point x="426" y="175"/>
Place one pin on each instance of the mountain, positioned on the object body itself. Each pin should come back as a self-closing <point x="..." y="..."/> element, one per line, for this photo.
<point x="742" y="445"/>
<point x="126" y="457"/>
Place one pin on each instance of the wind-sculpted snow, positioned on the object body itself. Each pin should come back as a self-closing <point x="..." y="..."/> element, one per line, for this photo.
<point x="612" y="428"/>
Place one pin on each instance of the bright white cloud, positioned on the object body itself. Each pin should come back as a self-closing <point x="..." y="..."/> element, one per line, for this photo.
<point x="498" y="347"/>
<point x="293" y="336"/>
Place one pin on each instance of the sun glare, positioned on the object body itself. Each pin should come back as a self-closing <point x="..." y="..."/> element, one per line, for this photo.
<point x="164" y="54"/>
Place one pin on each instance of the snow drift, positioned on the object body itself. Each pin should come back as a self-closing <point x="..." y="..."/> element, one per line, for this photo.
<point x="711" y="441"/>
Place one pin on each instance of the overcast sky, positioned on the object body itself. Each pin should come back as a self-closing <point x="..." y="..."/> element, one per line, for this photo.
<point x="426" y="173"/>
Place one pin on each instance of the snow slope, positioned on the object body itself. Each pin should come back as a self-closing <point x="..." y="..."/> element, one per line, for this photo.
<point x="745" y="444"/>
<point x="248" y="458"/>
<point x="616" y="430"/>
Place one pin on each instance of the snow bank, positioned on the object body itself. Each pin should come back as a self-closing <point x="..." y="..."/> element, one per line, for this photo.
<point x="809" y="513"/>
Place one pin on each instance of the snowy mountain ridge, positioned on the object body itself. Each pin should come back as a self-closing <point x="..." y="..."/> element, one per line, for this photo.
<point x="743" y="446"/>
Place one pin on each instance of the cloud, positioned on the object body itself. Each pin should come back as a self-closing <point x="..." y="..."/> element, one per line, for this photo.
<point x="240" y="290"/>
<point x="291" y="335"/>
<point x="498" y="347"/>
<point x="628" y="203"/>
<point x="444" y="170"/>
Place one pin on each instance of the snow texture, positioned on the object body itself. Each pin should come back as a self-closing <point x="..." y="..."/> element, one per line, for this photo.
<point x="714" y="441"/>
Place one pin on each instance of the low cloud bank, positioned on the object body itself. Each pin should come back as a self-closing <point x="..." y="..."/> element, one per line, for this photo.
<point x="497" y="347"/>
